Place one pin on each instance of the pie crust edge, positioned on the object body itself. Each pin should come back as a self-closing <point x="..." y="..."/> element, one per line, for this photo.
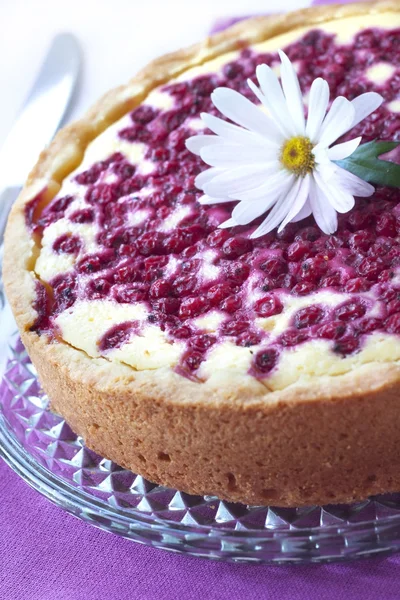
<point x="333" y="441"/>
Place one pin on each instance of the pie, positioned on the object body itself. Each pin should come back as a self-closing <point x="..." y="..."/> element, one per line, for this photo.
<point x="260" y="370"/>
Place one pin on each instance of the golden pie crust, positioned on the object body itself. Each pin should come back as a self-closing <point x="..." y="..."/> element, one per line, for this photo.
<point x="336" y="440"/>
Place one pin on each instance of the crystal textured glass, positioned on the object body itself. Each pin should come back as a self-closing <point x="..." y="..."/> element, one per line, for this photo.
<point x="43" y="450"/>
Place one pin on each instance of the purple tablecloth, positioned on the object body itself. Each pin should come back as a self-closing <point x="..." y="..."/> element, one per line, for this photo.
<point x="46" y="554"/>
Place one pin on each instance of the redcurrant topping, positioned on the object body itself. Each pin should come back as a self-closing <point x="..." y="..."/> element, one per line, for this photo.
<point x="182" y="332"/>
<point x="67" y="244"/>
<point x="232" y="70"/>
<point x="361" y="241"/>
<point x="167" y="306"/>
<point x="266" y="360"/>
<point x="274" y="266"/>
<point x="42" y="306"/>
<point x="248" y="339"/>
<point x="299" y="250"/>
<point x="386" y="225"/>
<point x="292" y="337"/>
<point x="347" y="345"/>
<point x="236" y="246"/>
<point x="192" y="360"/>
<point x="313" y="269"/>
<point x="192" y="307"/>
<point x="217" y="238"/>
<point x="357" y="284"/>
<point x="160" y="289"/>
<point x="118" y="335"/>
<point x="92" y="174"/>
<point x="231" y="304"/>
<point x="350" y="311"/>
<point x="185" y="285"/>
<point x="86" y="215"/>
<point x="237" y="272"/>
<point x="393" y="306"/>
<point x="95" y="262"/>
<point x="129" y="294"/>
<point x="268" y="306"/>
<point x="370" y="268"/>
<point x="310" y="315"/>
<point x="156" y="244"/>
<point x="331" y="280"/>
<point x="143" y="114"/>
<point x="64" y="286"/>
<point x="98" y="288"/>
<point x="150" y="243"/>
<point x="392" y="324"/>
<point x="368" y="324"/>
<point x="234" y="327"/>
<point x="202" y="342"/>
<point x="38" y="216"/>
<point x="127" y="273"/>
<point x="60" y="205"/>
<point x="302" y="289"/>
<point x="217" y="293"/>
<point x="332" y="330"/>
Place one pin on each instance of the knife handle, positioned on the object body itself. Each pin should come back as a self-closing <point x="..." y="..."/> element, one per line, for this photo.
<point x="7" y="199"/>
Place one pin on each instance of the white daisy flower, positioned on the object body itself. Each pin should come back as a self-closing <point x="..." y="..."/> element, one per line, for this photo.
<point x="275" y="160"/>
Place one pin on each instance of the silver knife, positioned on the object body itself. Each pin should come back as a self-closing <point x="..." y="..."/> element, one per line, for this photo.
<point x="40" y="117"/>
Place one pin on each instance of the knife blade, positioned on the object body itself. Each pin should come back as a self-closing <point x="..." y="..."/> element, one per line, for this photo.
<point x="42" y="111"/>
<point x="40" y="117"/>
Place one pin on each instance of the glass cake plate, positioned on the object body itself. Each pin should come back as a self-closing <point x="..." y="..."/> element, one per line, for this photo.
<point x="44" y="451"/>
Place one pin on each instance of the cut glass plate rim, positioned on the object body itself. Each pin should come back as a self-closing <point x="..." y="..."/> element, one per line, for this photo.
<point x="343" y="536"/>
<point x="56" y="489"/>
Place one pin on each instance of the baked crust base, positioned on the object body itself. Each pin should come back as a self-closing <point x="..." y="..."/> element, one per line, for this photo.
<point x="287" y="452"/>
<point x="333" y="441"/>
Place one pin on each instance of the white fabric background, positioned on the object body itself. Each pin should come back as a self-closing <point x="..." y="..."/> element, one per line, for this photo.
<point x="117" y="37"/>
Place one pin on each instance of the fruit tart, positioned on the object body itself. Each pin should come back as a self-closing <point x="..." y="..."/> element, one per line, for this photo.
<point x="206" y="274"/>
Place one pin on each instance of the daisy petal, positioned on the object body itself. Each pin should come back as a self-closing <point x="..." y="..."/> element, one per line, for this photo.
<point x="276" y="133"/>
<point x="273" y="99"/>
<point x="338" y="120"/>
<point x="364" y="105"/>
<point x="256" y="91"/>
<point x="353" y="184"/>
<point x="317" y="106"/>
<point x="243" y="112"/>
<point x="279" y="179"/>
<point x="247" y="211"/>
<point x="297" y="197"/>
<point x="325" y="166"/>
<point x="206" y="176"/>
<point x="276" y="215"/>
<point x="292" y="91"/>
<point x="341" y="151"/>
<point x="209" y="200"/>
<point x="234" y="181"/>
<point x="230" y="132"/>
<point x="340" y="199"/>
<point x="198" y="142"/>
<point x="228" y="223"/>
<point x="303" y="213"/>
<point x="230" y="155"/>
<point x="324" y="214"/>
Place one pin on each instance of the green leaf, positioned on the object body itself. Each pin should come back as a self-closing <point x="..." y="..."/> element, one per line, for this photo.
<point x="364" y="163"/>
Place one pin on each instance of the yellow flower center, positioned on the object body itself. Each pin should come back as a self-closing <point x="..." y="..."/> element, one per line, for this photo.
<point x="297" y="156"/>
